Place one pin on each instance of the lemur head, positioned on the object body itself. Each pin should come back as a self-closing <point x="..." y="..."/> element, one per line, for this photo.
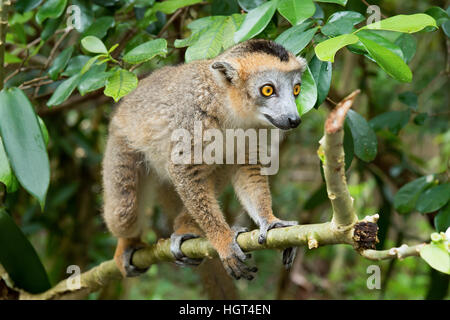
<point x="263" y="80"/>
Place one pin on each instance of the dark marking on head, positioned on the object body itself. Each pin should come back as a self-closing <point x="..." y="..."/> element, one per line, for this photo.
<point x="268" y="47"/>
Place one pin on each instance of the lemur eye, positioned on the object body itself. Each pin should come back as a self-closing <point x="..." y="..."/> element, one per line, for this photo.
<point x="267" y="90"/>
<point x="297" y="89"/>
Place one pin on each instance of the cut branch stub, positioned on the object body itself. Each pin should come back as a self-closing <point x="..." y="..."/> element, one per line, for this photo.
<point x="336" y="118"/>
<point x="365" y="235"/>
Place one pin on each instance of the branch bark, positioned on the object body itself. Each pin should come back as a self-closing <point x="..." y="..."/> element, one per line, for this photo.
<point x="344" y="228"/>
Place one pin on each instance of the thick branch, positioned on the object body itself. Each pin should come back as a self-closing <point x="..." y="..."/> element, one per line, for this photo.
<point x="343" y="229"/>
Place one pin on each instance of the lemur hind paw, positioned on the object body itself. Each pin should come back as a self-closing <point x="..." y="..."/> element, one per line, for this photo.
<point x="128" y="267"/>
<point x="175" y="247"/>
<point x="288" y="253"/>
<point x="234" y="262"/>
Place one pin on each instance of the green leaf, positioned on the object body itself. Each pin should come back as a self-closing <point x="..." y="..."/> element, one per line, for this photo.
<point x="19" y="258"/>
<point x="94" y="79"/>
<point x="248" y="5"/>
<point x="10" y="58"/>
<point x="394" y="121"/>
<point x="364" y="139"/>
<point x="170" y="6"/>
<point x="308" y="94"/>
<point x="255" y="21"/>
<point x="420" y="118"/>
<point x="321" y="71"/>
<point x="120" y="83"/>
<point x="50" y="9"/>
<point x="408" y="45"/>
<point x="93" y="44"/>
<point x="295" y="39"/>
<point x="436" y="256"/>
<point x="209" y="43"/>
<point x="44" y="130"/>
<point x="380" y="40"/>
<point x="7" y="176"/>
<point x="341" y="2"/>
<point x="296" y="11"/>
<point x="99" y="27"/>
<point x="60" y="63"/>
<point x="24" y="142"/>
<point x="326" y="50"/>
<point x="434" y="198"/>
<point x="26" y="5"/>
<point x="403" y="23"/>
<point x="50" y="27"/>
<point x="387" y="60"/>
<point x="75" y="65"/>
<point x="409" y="98"/>
<point x="64" y="90"/>
<point x="341" y="22"/>
<point x="406" y="198"/>
<point x="147" y="51"/>
<point x="233" y="24"/>
<point x="442" y="219"/>
<point x="446" y="28"/>
<point x="91" y="61"/>
<point x="349" y="148"/>
<point x="439" y="14"/>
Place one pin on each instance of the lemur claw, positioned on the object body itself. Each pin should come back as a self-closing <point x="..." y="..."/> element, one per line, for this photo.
<point x="175" y="247"/>
<point x="288" y="253"/>
<point x="234" y="263"/>
<point x="130" y="269"/>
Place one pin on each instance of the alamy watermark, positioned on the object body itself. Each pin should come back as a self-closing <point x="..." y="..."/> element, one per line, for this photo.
<point x="214" y="146"/>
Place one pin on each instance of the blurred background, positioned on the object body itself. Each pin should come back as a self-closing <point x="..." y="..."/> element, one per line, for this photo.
<point x="70" y="230"/>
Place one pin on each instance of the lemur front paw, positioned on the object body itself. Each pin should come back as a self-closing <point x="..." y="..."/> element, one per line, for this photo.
<point x="234" y="261"/>
<point x="288" y="253"/>
<point x="175" y="247"/>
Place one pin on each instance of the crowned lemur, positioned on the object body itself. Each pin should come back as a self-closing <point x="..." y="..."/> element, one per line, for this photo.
<point x="253" y="84"/>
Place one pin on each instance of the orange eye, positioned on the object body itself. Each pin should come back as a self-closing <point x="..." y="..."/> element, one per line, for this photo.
<point x="267" y="90"/>
<point x="296" y="89"/>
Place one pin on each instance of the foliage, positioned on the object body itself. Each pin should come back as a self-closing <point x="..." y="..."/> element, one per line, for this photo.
<point x="54" y="64"/>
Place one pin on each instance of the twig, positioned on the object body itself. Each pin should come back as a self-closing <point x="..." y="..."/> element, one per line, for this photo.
<point x="169" y="22"/>
<point x="4" y="8"/>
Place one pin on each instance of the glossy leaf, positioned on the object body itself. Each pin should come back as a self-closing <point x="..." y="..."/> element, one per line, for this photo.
<point x="439" y="14"/>
<point x="387" y="60"/>
<point x="364" y="139"/>
<point x="7" y="176"/>
<point x="380" y="40"/>
<point x="326" y="50"/>
<point x="26" y="5"/>
<point x="255" y="21"/>
<point x="75" y="65"/>
<point x="60" y="63"/>
<point x="19" y="258"/>
<point x="146" y="51"/>
<point x="321" y="71"/>
<point x="24" y="142"/>
<point x="403" y="23"/>
<point x="120" y="83"/>
<point x="341" y="22"/>
<point x="50" y="9"/>
<point x="406" y="198"/>
<point x="394" y="121"/>
<point x="308" y="94"/>
<point x="433" y="198"/>
<point x="248" y="5"/>
<point x="295" y="39"/>
<point x="437" y="257"/>
<point x="64" y="90"/>
<point x="442" y="219"/>
<point x="408" y="45"/>
<point x="410" y="99"/>
<point x="93" y="44"/>
<point x="341" y="2"/>
<point x="94" y="79"/>
<point x="296" y="11"/>
<point x="100" y="27"/>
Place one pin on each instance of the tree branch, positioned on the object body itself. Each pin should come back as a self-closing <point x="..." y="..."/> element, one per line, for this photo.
<point x="344" y="228"/>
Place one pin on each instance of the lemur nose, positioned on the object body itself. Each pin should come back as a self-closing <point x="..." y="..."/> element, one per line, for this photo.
<point x="294" y="122"/>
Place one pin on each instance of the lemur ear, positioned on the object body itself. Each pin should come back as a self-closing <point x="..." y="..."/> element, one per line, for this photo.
<point x="227" y="69"/>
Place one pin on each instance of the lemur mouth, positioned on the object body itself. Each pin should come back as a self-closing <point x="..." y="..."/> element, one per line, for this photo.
<point x="276" y="124"/>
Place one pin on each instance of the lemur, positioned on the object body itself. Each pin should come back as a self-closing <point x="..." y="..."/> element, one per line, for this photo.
<point x="253" y="84"/>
